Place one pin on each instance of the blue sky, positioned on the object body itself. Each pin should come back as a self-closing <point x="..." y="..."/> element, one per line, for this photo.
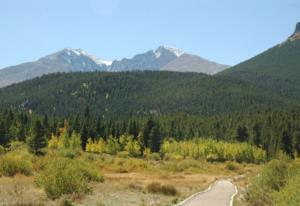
<point x="226" y="31"/>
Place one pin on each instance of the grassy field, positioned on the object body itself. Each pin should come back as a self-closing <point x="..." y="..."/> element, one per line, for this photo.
<point x="127" y="181"/>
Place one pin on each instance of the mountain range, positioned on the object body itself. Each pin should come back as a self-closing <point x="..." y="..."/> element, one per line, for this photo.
<point x="268" y="81"/>
<point x="74" y="60"/>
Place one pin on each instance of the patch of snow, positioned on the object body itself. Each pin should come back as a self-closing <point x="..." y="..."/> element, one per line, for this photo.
<point x="80" y="52"/>
<point x="177" y="52"/>
<point x="77" y="52"/>
<point x="105" y="62"/>
<point x="100" y="61"/>
<point x="157" y="53"/>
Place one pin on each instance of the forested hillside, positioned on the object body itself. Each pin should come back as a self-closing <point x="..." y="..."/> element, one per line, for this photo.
<point x="139" y="93"/>
<point x="277" y="69"/>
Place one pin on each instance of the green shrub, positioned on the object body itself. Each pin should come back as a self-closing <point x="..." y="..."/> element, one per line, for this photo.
<point x="168" y="157"/>
<point x="272" y="179"/>
<point x="13" y="163"/>
<point x="16" y="145"/>
<point x="40" y="162"/>
<point x="213" y="158"/>
<point x="65" y="201"/>
<point x="90" y="172"/>
<point x="289" y="195"/>
<point x="53" y="142"/>
<point x="112" y="146"/>
<point x="75" y="141"/>
<point x="154" y="156"/>
<point x="231" y="166"/>
<point x="156" y="187"/>
<point x="172" y="157"/>
<point x="133" y="147"/>
<point x="174" y="201"/>
<point x="71" y="154"/>
<point x="123" y="154"/>
<point x="2" y="150"/>
<point x="64" y="176"/>
<point x="277" y="185"/>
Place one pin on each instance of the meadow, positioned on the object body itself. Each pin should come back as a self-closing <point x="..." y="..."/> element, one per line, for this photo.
<point x="63" y="174"/>
<point x="68" y="169"/>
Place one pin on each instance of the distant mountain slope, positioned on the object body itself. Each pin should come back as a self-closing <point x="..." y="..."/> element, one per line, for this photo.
<point x="67" y="60"/>
<point x="72" y="60"/>
<point x="277" y="69"/>
<point x="151" y="60"/>
<point x="166" y="58"/>
<point x="120" y="94"/>
<point x="193" y="63"/>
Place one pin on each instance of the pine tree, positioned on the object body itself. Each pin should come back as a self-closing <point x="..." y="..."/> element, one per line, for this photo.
<point x="84" y="136"/>
<point x="3" y="137"/>
<point x="46" y="126"/>
<point x="146" y="133"/>
<point x="218" y="132"/>
<point x="64" y="136"/>
<point x="155" y="139"/>
<point x="297" y="142"/>
<point x="85" y="130"/>
<point x="76" y="124"/>
<point x="257" y="135"/>
<point x="172" y="132"/>
<point x="99" y="128"/>
<point x="9" y="117"/>
<point x="54" y="127"/>
<point x="287" y="143"/>
<point x="135" y="129"/>
<point x="36" y="141"/>
<point x="22" y="132"/>
<point x="242" y="134"/>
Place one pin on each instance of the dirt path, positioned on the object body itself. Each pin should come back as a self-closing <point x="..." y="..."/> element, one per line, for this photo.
<point x="221" y="193"/>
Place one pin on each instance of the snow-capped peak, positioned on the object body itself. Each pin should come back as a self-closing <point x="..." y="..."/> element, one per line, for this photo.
<point x="77" y="52"/>
<point x="101" y="61"/>
<point x="80" y="52"/>
<point x="177" y="52"/>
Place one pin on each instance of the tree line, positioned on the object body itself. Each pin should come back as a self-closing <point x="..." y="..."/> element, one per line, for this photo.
<point x="269" y="130"/>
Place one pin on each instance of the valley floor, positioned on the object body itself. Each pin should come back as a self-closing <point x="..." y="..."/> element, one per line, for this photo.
<point x="129" y="186"/>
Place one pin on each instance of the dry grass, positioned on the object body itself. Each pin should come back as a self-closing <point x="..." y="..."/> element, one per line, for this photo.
<point x="20" y="190"/>
<point x="131" y="188"/>
<point x="126" y="181"/>
<point x="128" y="189"/>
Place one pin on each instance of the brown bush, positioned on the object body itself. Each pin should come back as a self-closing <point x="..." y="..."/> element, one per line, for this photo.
<point x="156" y="187"/>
